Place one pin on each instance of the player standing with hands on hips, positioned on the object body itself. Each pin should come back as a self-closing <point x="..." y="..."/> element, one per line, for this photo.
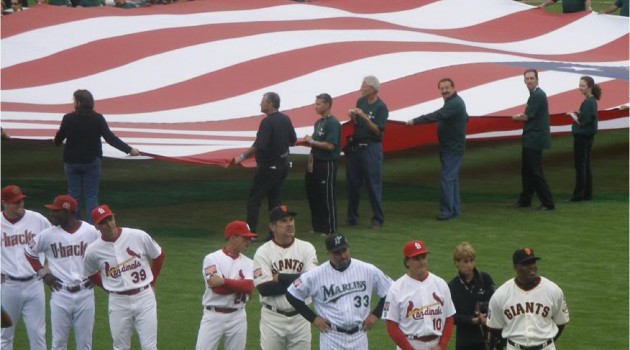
<point x="227" y="275"/>
<point x="341" y="290"/>
<point x="529" y="311"/>
<point x="128" y="261"/>
<point x="64" y="245"/>
<point x="418" y="308"/>
<point x="22" y="292"/>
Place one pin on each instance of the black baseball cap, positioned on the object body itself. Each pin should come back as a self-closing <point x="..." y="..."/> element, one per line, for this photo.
<point x="523" y="255"/>
<point x="336" y="243"/>
<point x="280" y="212"/>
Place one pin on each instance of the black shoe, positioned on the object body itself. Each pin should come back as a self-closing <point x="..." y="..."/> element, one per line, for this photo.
<point x="544" y="208"/>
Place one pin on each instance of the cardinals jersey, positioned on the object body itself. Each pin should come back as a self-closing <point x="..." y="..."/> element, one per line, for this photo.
<point x="271" y="258"/>
<point x="16" y="237"/>
<point x="227" y="267"/>
<point x="419" y="307"/>
<point x="342" y="297"/>
<point x="64" y="250"/>
<point x="123" y="264"/>
<point x="528" y="317"/>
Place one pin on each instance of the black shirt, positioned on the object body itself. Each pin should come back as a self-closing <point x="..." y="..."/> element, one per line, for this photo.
<point x="82" y="133"/>
<point x="275" y="135"/>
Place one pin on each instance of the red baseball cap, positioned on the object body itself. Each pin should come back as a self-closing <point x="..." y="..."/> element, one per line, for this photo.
<point x="101" y="213"/>
<point x="12" y="194"/>
<point x="414" y="248"/>
<point x="238" y="228"/>
<point x="64" y="201"/>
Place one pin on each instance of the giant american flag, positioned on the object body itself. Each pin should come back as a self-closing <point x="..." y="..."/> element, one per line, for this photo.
<point x="184" y="81"/>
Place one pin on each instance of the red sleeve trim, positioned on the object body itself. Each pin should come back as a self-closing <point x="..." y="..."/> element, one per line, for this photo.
<point x="398" y="336"/>
<point x="96" y="280"/>
<point x="447" y="333"/>
<point x="239" y="286"/>
<point x="35" y="263"/>
<point x="156" y="266"/>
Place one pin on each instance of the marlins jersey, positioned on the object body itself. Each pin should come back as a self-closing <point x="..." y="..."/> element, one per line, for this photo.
<point x="239" y="268"/>
<point x="419" y="307"/>
<point x="528" y="317"/>
<point x="271" y="258"/>
<point x="64" y="250"/>
<point x="123" y="264"/>
<point x="16" y="237"/>
<point x="342" y="297"/>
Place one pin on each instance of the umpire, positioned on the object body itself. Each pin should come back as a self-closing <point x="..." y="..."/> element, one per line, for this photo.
<point x="321" y="171"/>
<point x="271" y="148"/>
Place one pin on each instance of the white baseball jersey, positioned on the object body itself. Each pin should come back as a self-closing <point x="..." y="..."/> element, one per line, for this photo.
<point x="271" y="258"/>
<point x="419" y="307"/>
<point x="528" y="317"/>
<point x="342" y="297"/>
<point x="16" y="237"/>
<point x="64" y="250"/>
<point x="123" y="264"/>
<point x="229" y="268"/>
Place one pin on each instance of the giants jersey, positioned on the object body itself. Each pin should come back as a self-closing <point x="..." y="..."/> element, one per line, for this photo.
<point x="271" y="258"/>
<point x="419" y="307"/>
<point x="342" y="297"/>
<point x="227" y="267"/>
<point x="64" y="251"/>
<point x="528" y="317"/>
<point x="16" y="237"/>
<point x="123" y="264"/>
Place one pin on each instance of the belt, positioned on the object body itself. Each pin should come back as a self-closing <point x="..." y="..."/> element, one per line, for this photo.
<point x="132" y="291"/>
<point x="424" y="338"/>
<point x="73" y="288"/>
<point x="346" y="330"/>
<point x="535" y="347"/>
<point x="281" y="312"/>
<point x="19" y="279"/>
<point x="221" y="310"/>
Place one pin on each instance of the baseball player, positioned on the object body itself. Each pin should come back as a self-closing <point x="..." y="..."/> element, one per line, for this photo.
<point x="530" y="311"/>
<point x="277" y="263"/>
<point x="72" y="301"/>
<point x="128" y="262"/>
<point x="229" y="283"/>
<point x="341" y="290"/>
<point x="418" y="309"/>
<point x="22" y="292"/>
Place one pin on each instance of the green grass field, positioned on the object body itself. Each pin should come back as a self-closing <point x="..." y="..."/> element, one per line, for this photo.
<point x="185" y="207"/>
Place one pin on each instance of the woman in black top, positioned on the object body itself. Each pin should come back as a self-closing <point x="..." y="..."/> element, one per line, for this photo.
<point x="471" y="290"/>
<point x="82" y="131"/>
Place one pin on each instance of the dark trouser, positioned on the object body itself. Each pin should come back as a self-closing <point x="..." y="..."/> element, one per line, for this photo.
<point x="449" y="183"/>
<point x="366" y="163"/>
<point x="534" y="179"/>
<point x="83" y="185"/>
<point x="268" y="180"/>
<point x="320" y="192"/>
<point x="582" y="145"/>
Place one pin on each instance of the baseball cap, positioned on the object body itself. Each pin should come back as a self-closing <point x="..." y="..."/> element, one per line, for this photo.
<point x="523" y="255"/>
<point x="238" y="228"/>
<point x="12" y="194"/>
<point x="101" y="213"/>
<point x="64" y="201"/>
<point x="280" y="212"/>
<point x="414" y="248"/>
<point x="336" y="243"/>
<point x="324" y="97"/>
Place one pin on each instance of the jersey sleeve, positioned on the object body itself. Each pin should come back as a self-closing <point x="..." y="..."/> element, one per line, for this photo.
<point x="37" y="245"/>
<point x="300" y="288"/>
<point x="382" y="282"/>
<point x="495" y="319"/>
<point x="390" y="309"/>
<point x="208" y="268"/>
<point x="90" y="264"/>
<point x="262" y="266"/>
<point x="150" y="246"/>
<point x="311" y="258"/>
<point x="562" y="313"/>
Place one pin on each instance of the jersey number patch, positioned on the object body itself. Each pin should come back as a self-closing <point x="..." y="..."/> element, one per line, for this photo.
<point x="358" y="303"/>
<point x="138" y="276"/>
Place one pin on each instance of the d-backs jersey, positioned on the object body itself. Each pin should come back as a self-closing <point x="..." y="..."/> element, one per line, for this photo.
<point x="271" y="258"/>
<point x="227" y="267"/>
<point x="16" y="237"/>
<point x="528" y="317"/>
<point x="419" y="307"/>
<point x="342" y="297"/>
<point x="64" y="250"/>
<point x="123" y="264"/>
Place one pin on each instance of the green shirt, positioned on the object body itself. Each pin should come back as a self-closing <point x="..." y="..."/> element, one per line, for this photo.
<point x="570" y="6"/>
<point x="59" y="3"/>
<point x="536" y="133"/>
<point x="451" y="125"/>
<point x="587" y="118"/>
<point x="327" y="130"/>
<point x="623" y="4"/>
<point x="378" y="114"/>
<point x="90" y="3"/>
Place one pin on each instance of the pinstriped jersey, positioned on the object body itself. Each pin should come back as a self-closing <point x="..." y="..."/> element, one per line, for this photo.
<point x="342" y="297"/>
<point x="229" y="268"/>
<point x="16" y="237"/>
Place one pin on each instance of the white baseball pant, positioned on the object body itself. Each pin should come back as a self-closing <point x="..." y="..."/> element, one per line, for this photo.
<point x="214" y="325"/>
<point x="72" y="310"/>
<point x="334" y="340"/>
<point x="279" y="332"/>
<point x="129" y="312"/>
<point x="25" y="299"/>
